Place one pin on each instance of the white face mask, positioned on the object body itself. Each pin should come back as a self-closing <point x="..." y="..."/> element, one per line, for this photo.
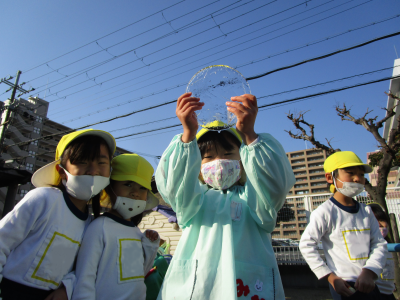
<point x="128" y="207"/>
<point x="349" y="189"/>
<point x="84" y="187"/>
<point x="221" y="173"/>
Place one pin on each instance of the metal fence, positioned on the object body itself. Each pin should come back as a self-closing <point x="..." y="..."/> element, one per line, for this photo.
<point x="291" y="255"/>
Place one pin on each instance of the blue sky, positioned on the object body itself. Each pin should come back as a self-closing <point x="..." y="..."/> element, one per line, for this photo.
<point x="171" y="40"/>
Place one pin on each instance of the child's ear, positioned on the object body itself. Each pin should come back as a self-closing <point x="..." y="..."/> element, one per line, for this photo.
<point x="61" y="172"/>
<point x="328" y="177"/>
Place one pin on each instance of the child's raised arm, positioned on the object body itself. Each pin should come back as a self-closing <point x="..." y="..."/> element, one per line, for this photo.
<point x="179" y="168"/>
<point x="269" y="174"/>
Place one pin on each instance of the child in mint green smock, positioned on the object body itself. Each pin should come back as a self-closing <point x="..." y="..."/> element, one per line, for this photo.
<point x="225" y="251"/>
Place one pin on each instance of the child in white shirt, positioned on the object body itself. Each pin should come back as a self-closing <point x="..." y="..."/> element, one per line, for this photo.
<point x="353" y="245"/>
<point x="40" y="237"/>
<point x="115" y="256"/>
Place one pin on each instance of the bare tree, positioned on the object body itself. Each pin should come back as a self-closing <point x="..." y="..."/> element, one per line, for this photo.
<point x="386" y="158"/>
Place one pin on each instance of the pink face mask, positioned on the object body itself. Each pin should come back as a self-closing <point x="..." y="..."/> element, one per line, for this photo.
<point x="384" y="231"/>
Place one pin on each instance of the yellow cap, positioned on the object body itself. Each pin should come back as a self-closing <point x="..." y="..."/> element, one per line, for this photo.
<point x="48" y="175"/>
<point x="341" y="160"/>
<point x="217" y="124"/>
<point x="133" y="167"/>
<point x="344" y="159"/>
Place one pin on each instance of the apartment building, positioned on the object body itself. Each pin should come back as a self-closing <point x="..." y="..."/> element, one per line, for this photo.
<point x="29" y="121"/>
<point x="309" y="191"/>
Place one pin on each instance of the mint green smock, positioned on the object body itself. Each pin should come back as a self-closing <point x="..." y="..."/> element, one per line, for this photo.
<point x="225" y="251"/>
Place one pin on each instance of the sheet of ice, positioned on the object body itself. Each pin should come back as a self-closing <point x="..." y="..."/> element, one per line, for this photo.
<point x="215" y="85"/>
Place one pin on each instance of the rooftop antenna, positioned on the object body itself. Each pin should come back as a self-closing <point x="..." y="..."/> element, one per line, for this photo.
<point x="395" y="51"/>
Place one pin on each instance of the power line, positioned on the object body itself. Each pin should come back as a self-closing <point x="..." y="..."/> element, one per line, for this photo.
<point x="143" y="32"/>
<point x="132" y="50"/>
<point x="328" y="92"/>
<point x="183" y="84"/>
<point x="220" y="36"/>
<point x="254" y="77"/>
<point x="272" y="95"/>
<point x="157" y="129"/>
<point x="103" y="36"/>
<point x="326" y="55"/>
<point x="286" y="51"/>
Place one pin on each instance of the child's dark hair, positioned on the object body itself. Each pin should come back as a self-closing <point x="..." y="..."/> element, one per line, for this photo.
<point x="380" y="215"/>
<point x="135" y="219"/>
<point x="84" y="148"/>
<point x="214" y="138"/>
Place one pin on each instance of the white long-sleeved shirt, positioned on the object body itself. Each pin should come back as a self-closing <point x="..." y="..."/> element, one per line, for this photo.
<point x="385" y="280"/>
<point x="40" y="238"/>
<point x="350" y="237"/>
<point x="113" y="261"/>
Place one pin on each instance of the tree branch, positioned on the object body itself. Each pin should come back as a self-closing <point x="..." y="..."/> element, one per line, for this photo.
<point x="303" y="135"/>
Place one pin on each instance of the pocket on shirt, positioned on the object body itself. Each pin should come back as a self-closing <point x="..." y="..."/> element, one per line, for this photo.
<point x="55" y="259"/>
<point x="182" y="279"/>
<point x="356" y="243"/>
<point x="255" y="282"/>
<point x="130" y="260"/>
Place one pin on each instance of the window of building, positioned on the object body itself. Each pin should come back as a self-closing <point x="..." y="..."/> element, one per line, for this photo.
<point x="390" y="182"/>
<point x="300" y="173"/>
<point x="300" y="185"/>
<point x="39" y="119"/>
<point x="32" y="153"/>
<point x="29" y="167"/>
<point x="289" y="233"/>
<point x="290" y="192"/>
<point x="298" y="167"/>
<point x="318" y="183"/>
<point x="36" y="130"/>
<point x="296" y="155"/>
<point x="34" y="143"/>
<point x="314" y="152"/>
<point x="316" y="171"/>
<point x="289" y="225"/>
<point x="315" y="158"/>
<point x="297" y="161"/>
<point x="301" y="212"/>
<point x="302" y="218"/>
<point x="317" y="177"/>
<point x="276" y="233"/>
<point x="301" y="179"/>
<point x="302" y="192"/>
<point x="321" y="164"/>
<point x="320" y="190"/>
<point x="23" y="192"/>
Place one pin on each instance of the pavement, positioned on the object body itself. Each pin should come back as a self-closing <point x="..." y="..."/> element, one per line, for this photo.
<point x="307" y="294"/>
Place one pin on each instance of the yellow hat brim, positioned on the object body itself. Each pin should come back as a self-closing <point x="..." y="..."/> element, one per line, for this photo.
<point x="217" y="124"/>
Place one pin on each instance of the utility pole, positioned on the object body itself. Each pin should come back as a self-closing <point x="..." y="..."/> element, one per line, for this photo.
<point x="8" y="104"/>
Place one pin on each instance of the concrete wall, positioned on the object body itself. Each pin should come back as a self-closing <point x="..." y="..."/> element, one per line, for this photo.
<point x="170" y="232"/>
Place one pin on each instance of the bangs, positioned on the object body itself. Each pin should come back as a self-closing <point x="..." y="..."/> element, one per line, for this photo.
<point x="213" y="138"/>
<point x="85" y="148"/>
